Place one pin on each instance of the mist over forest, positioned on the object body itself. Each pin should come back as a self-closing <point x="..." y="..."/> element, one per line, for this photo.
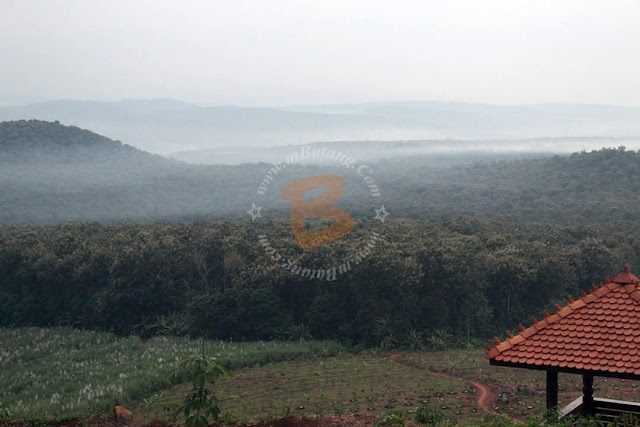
<point x="170" y="126"/>
<point x="56" y="173"/>
<point x="539" y="218"/>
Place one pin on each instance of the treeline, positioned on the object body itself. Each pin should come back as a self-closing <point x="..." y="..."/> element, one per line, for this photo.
<point x="52" y="173"/>
<point x="425" y="283"/>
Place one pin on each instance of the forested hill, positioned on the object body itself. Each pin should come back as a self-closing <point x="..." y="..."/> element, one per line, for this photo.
<point x="599" y="186"/>
<point x="54" y="173"/>
<point x="35" y="140"/>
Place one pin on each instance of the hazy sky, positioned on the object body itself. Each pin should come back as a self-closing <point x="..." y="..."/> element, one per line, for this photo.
<point x="280" y="52"/>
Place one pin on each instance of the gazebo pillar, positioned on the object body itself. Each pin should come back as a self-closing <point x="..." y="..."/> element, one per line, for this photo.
<point x="552" y="390"/>
<point x="587" y="394"/>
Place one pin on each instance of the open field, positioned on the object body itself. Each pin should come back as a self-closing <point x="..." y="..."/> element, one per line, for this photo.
<point x="375" y="384"/>
<point x="57" y="373"/>
<point x="60" y="373"/>
<point x="348" y="384"/>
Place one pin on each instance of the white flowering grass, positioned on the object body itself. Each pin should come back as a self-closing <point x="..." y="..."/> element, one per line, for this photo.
<point x="59" y="373"/>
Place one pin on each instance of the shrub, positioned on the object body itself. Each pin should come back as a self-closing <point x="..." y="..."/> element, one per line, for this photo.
<point x="429" y="416"/>
<point x="4" y="413"/>
<point x="200" y="403"/>
<point x="626" y="420"/>
<point x="392" y="419"/>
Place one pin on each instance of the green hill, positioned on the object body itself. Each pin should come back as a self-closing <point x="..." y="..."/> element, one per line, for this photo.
<point x="34" y="140"/>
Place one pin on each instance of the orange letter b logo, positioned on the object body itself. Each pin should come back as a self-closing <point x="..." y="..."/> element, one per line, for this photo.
<point x="321" y="206"/>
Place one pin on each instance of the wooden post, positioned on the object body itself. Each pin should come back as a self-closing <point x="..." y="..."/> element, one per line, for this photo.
<point x="552" y="390"/>
<point x="587" y="394"/>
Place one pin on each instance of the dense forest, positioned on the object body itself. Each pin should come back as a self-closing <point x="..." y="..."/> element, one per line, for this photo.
<point x="52" y="173"/>
<point x="427" y="282"/>
<point x="468" y="250"/>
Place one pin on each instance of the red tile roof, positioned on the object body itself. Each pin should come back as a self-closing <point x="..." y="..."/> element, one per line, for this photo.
<point x="599" y="332"/>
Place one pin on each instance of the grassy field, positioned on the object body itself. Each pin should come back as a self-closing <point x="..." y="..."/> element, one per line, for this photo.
<point x="56" y="373"/>
<point x="375" y="384"/>
<point x="348" y="384"/>
<point x="60" y="373"/>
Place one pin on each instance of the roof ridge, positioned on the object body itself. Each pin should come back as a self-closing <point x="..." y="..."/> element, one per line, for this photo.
<point x="626" y="277"/>
<point x="561" y="312"/>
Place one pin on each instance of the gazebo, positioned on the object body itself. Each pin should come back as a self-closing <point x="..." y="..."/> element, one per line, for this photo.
<point x="595" y="335"/>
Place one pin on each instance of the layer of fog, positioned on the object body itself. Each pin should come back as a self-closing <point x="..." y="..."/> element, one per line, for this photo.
<point x="169" y="126"/>
<point x="432" y="152"/>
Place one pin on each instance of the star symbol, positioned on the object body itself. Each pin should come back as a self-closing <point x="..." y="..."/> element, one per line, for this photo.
<point x="381" y="214"/>
<point x="254" y="212"/>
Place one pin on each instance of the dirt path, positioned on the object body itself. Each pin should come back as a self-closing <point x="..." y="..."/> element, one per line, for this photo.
<point x="486" y="396"/>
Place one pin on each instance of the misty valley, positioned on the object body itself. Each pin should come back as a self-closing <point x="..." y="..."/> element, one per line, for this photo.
<point x="100" y="236"/>
<point x="343" y="213"/>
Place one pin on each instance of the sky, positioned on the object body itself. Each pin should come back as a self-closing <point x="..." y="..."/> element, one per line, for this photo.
<point x="286" y="52"/>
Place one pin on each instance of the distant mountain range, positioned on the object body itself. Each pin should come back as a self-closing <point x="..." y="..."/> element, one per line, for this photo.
<point x="167" y="126"/>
